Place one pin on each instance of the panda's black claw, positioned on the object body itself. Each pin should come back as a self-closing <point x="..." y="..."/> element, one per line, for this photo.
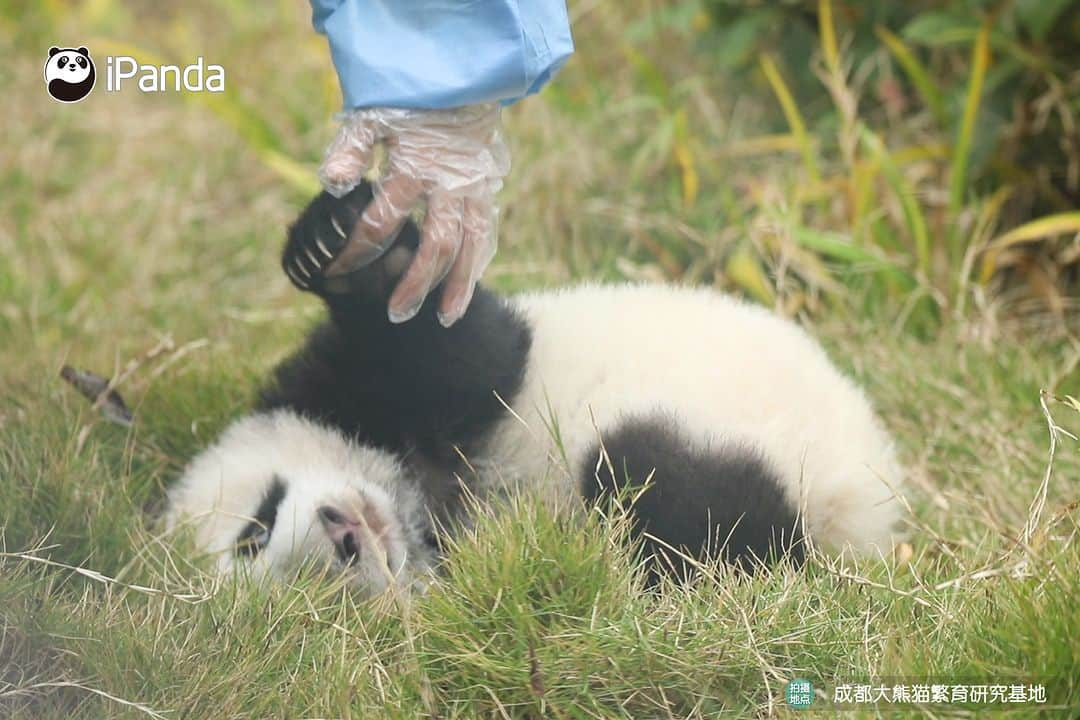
<point x="337" y="227"/>
<point x="300" y="271"/>
<point x="296" y="279"/>
<point x="327" y="255"/>
<point x="316" y="238"/>
<point x="319" y="235"/>
<point x="313" y="259"/>
<point x="299" y="265"/>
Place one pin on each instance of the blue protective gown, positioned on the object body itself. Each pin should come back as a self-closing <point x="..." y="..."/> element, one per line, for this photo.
<point x="431" y="54"/>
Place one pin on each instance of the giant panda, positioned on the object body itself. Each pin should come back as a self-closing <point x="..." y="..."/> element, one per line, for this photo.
<point x="723" y="429"/>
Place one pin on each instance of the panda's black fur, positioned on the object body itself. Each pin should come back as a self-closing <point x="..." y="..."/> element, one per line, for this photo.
<point x="416" y="389"/>
<point x="723" y="501"/>
<point x="432" y="395"/>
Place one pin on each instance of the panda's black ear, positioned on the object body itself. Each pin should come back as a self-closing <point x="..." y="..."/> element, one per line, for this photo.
<point x="84" y="51"/>
<point x="53" y="50"/>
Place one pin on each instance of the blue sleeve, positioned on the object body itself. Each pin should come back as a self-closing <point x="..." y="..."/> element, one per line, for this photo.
<point x="443" y="53"/>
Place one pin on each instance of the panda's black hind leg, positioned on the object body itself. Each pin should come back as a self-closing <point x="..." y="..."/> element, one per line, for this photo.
<point x="705" y="502"/>
<point x="319" y="235"/>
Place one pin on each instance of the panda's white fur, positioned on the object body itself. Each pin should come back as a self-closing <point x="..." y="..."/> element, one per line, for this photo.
<point x="221" y="488"/>
<point x="729" y="371"/>
<point x="726" y="370"/>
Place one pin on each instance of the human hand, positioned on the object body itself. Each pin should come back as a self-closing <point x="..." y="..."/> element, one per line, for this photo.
<point x="455" y="161"/>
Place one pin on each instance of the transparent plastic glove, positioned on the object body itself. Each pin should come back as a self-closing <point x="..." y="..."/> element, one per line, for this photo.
<point x="454" y="161"/>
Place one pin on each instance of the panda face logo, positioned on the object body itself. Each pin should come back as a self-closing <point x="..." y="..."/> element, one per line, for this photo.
<point x="69" y="74"/>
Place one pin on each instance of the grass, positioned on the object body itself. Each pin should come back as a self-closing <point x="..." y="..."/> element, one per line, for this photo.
<point x="139" y="234"/>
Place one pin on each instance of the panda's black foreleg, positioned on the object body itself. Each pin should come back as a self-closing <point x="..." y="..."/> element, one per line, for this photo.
<point x="414" y="386"/>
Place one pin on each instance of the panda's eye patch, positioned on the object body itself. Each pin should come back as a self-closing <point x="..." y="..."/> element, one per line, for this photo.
<point x="256" y="534"/>
<point x="81" y="61"/>
<point x="62" y="61"/>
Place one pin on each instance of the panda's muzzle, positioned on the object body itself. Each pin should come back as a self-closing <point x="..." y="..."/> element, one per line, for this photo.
<point x="344" y="531"/>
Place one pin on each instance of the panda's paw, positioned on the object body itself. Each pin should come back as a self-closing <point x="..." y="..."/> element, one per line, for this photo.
<point x="318" y="235"/>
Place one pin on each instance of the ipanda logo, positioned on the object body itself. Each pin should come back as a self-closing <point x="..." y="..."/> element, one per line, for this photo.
<point x="70" y="75"/>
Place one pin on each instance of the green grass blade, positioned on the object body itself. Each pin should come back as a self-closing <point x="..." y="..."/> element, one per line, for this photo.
<point x="743" y="268"/>
<point x="842" y="248"/>
<point x="827" y="31"/>
<point x="1046" y="227"/>
<point x="681" y="149"/>
<point x="916" y="73"/>
<point x="1049" y="226"/>
<point x="913" y="215"/>
<point x="794" y="118"/>
<point x="980" y="60"/>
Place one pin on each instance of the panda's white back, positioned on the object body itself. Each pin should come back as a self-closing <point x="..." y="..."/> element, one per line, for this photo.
<point x="727" y="371"/>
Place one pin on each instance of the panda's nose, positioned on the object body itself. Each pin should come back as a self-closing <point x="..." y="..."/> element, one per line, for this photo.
<point x="71" y="66"/>
<point x="344" y="531"/>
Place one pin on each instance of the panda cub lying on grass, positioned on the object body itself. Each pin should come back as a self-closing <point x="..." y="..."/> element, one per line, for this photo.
<point x="733" y="430"/>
